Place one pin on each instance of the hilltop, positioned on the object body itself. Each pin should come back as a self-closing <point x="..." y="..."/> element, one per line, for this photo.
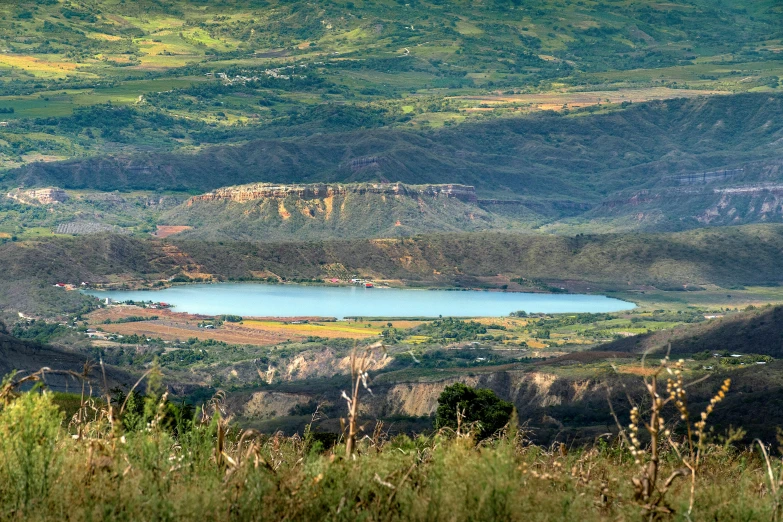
<point x="658" y="166"/>
<point x="756" y="331"/>
<point x="307" y="212"/>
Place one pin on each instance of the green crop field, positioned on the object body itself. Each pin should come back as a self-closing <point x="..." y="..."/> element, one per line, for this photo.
<point x="166" y="59"/>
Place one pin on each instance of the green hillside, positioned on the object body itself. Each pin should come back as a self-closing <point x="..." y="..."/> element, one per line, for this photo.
<point x="585" y="114"/>
<point x="754" y="332"/>
<point x="550" y="156"/>
<point x="96" y="77"/>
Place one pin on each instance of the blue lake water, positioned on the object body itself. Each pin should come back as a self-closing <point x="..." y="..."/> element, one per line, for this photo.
<point x="260" y="300"/>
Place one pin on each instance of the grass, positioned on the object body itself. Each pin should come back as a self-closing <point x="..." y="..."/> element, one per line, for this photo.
<point x="38" y="66"/>
<point x="150" y="461"/>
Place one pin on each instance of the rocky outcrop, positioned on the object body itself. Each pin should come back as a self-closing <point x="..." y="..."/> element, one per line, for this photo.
<point x="260" y="191"/>
<point x="43" y="196"/>
<point x="529" y="391"/>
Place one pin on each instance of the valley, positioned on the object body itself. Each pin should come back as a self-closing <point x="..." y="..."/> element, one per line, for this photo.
<point x="391" y="260"/>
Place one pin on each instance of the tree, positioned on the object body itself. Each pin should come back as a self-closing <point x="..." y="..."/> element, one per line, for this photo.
<point x="475" y="405"/>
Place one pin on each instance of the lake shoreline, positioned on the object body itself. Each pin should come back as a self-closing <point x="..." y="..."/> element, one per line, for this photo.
<point x="295" y="300"/>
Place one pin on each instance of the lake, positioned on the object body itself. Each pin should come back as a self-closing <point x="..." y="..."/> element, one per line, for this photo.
<point x="263" y="300"/>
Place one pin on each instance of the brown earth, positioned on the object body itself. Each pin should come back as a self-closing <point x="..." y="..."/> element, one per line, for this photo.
<point x="171" y="326"/>
<point x="169" y="230"/>
<point x="171" y="331"/>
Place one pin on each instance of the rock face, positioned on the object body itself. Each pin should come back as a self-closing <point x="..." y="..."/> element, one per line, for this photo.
<point x="258" y="191"/>
<point x="322" y="211"/>
<point x="44" y="196"/>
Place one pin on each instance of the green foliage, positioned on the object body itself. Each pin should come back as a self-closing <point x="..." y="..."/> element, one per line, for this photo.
<point x="755" y="333"/>
<point x="461" y="405"/>
<point x="30" y="462"/>
<point x="131" y="319"/>
<point x="39" y="331"/>
<point x="451" y="330"/>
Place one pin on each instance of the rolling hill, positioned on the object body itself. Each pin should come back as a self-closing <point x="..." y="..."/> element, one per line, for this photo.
<point x="754" y="332"/>
<point x="311" y="212"/>
<point x="545" y="156"/>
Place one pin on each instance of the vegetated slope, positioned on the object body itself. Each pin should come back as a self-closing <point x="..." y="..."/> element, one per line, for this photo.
<point x="549" y="156"/>
<point x="721" y="256"/>
<point x="752" y="194"/>
<point x="563" y="399"/>
<point x="27" y="357"/>
<point x="30" y="270"/>
<point x="758" y="331"/>
<point x="307" y="212"/>
<point x="181" y="73"/>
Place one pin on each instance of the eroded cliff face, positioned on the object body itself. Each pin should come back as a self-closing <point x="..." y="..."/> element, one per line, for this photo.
<point x="322" y="211"/>
<point x="531" y="393"/>
<point x="259" y="191"/>
<point x="315" y="364"/>
<point x="264" y="405"/>
<point x="42" y="196"/>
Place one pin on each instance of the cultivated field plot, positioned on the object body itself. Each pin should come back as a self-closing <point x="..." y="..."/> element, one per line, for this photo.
<point x="171" y="326"/>
<point x="169" y="330"/>
<point x="169" y="230"/>
<point x="573" y="100"/>
<point x="330" y="330"/>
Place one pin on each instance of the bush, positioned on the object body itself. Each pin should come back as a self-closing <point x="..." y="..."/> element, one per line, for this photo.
<point x="479" y="406"/>
<point x="28" y="435"/>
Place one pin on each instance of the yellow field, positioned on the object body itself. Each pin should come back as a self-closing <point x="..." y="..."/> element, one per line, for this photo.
<point x="37" y="66"/>
<point x="331" y="330"/>
<point x="559" y="100"/>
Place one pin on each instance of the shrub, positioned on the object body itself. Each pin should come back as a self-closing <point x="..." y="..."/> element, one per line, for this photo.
<point x="28" y="457"/>
<point x="460" y="404"/>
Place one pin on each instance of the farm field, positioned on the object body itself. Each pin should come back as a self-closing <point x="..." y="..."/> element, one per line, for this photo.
<point x="331" y="329"/>
<point x="541" y="334"/>
<point x="231" y="72"/>
<point x="556" y="101"/>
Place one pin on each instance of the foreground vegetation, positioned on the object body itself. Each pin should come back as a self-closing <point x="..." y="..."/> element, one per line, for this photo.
<point x="145" y="459"/>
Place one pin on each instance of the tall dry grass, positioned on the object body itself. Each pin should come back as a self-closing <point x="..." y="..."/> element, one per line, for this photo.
<point x="98" y="467"/>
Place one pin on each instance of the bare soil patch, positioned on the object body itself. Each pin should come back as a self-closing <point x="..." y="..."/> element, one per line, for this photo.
<point x="169" y="230"/>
